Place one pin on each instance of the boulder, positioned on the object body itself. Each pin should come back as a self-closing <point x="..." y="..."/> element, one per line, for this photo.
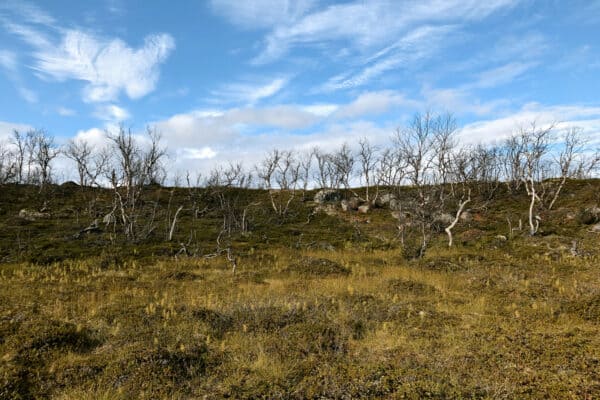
<point x="364" y="208"/>
<point x="353" y="203"/>
<point x="595" y="228"/>
<point x="327" y="196"/>
<point x="466" y="216"/>
<point x="31" y="215"/>
<point x="385" y="199"/>
<point x="590" y="215"/>
<point x="344" y="205"/>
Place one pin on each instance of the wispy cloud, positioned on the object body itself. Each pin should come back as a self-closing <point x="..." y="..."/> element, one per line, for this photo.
<point x="8" y="60"/>
<point x="374" y="103"/>
<point x="261" y="13"/>
<point x="496" y="129"/>
<point x="414" y="46"/>
<point x="65" y="112"/>
<point x="249" y="92"/>
<point x="108" y="66"/>
<point x="112" y="113"/>
<point x="7" y="129"/>
<point x="9" y="63"/>
<point x="502" y="75"/>
<point x="365" y="25"/>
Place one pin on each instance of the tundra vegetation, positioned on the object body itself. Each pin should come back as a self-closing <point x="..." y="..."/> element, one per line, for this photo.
<point x="421" y="270"/>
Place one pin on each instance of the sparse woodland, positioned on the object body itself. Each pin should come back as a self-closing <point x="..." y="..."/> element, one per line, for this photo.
<point x="423" y="269"/>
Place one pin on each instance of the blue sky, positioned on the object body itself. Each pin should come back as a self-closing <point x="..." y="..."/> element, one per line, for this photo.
<point x="228" y="80"/>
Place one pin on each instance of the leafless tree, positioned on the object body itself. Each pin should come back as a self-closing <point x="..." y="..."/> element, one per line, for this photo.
<point x="8" y="165"/>
<point x="531" y="144"/>
<point x="305" y="163"/>
<point x="343" y="161"/>
<point x="466" y="199"/>
<point x="279" y="172"/>
<point x="80" y="151"/>
<point x="44" y="151"/>
<point x="368" y="160"/>
<point x="135" y="168"/>
<point x="572" y="160"/>
<point x="325" y="173"/>
<point x="415" y="145"/>
<point x="444" y="145"/>
<point x="391" y="168"/>
<point x="18" y="140"/>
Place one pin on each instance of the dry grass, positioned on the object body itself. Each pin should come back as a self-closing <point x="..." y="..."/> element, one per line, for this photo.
<point x="501" y="327"/>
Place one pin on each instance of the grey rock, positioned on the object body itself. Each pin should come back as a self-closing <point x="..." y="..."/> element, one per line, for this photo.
<point x="327" y="196"/>
<point x="31" y="215"/>
<point x="364" y="208"/>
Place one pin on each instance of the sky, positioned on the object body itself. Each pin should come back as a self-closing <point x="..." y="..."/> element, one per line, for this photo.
<point x="228" y="80"/>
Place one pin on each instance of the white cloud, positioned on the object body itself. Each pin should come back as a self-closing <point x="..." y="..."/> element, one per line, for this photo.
<point x="250" y="92"/>
<point x="562" y="115"/>
<point x="65" y="112"/>
<point x="412" y="47"/>
<point x="108" y="66"/>
<point x="197" y="153"/>
<point x="460" y="101"/>
<point x="369" y="24"/>
<point x="7" y="129"/>
<point x="8" y="60"/>
<point x="27" y="94"/>
<point x="502" y="75"/>
<point x="373" y="103"/>
<point x="261" y="13"/>
<point x="112" y="113"/>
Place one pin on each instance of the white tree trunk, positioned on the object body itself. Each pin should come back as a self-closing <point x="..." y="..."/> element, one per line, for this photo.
<point x="449" y="228"/>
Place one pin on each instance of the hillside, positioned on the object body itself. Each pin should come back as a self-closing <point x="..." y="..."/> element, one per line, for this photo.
<point x="324" y="303"/>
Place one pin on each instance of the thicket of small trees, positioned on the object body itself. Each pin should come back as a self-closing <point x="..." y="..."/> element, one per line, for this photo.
<point x="433" y="177"/>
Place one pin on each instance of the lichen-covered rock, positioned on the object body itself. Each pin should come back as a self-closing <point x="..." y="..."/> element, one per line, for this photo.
<point x="364" y="209"/>
<point x="327" y="196"/>
<point x="31" y="215"/>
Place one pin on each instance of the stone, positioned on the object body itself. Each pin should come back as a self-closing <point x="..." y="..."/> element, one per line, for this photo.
<point x="364" y="208"/>
<point x="353" y="203"/>
<point x="466" y="216"/>
<point x="385" y="199"/>
<point x="31" y="215"/>
<point x="590" y="215"/>
<point x="327" y="196"/>
<point x="344" y="205"/>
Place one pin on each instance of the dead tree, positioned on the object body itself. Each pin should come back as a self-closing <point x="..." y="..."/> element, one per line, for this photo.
<point x="461" y="206"/>
<point x="279" y="172"/>
<point x="45" y="150"/>
<point x="572" y="161"/>
<point x="368" y="160"/>
<point x="80" y="151"/>
<point x="532" y="144"/>
<point x="415" y="146"/>
<point x="135" y="167"/>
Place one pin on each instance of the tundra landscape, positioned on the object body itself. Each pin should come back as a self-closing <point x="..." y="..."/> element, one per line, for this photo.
<point x="466" y="273"/>
<point x="299" y="199"/>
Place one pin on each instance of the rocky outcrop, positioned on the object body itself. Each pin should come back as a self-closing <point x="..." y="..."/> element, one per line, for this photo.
<point x="31" y="215"/>
<point x="352" y="204"/>
<point x="327" y="196"/>
<point x="590" y="215"/>
<point x="388" y="200"/>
